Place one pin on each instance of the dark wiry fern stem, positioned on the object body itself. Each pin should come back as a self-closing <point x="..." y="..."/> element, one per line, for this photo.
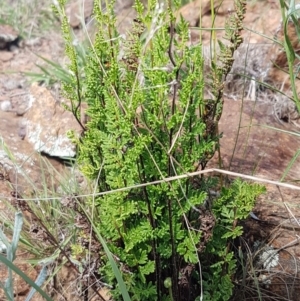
<point x="174" y="269"/>
<point x="75" y="111"/>
<point x="156" y="255"/>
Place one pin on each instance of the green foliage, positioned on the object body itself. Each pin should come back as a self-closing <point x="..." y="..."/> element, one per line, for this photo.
<point x="149" y="119"/>
<point x="144" y="228"/>
<point x="31" y="18"/>
<point x="232" y="206"/>
<point x="52" y="72"/>
<point x="10" y="249"/>
<point x="290" y="15"/>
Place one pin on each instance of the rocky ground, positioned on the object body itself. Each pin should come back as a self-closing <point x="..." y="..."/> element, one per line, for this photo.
<point x="32" y="122"/>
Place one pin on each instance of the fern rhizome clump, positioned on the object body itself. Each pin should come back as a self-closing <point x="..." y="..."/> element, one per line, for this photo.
<point x="148" y="121"/>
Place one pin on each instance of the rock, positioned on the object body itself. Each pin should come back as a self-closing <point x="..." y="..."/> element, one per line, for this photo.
<point x="22" y="107"/>
<point x="78" y="11"/>
<point x="125" y="20"/>
<point x="22" y="128"/>
<point x="191" y="11"/>
<point x="257" y="13"/>
<point x="6" y="106"/>
<point x="21" y="102"/>
<point x="124" y="5"/>
<point x="9" y="37"/>
<point x="48" y="124"/>
<point x="10" y="83"/>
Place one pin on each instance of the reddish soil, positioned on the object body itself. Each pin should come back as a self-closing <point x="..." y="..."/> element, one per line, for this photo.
<point x="258" y="150"/>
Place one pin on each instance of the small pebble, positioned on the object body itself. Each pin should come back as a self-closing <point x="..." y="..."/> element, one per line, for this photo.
<point x="6" y="106"/>
<point x="22" y="133"/>
<point x="21" y="111"/>
<point x="10" y="84"/>
<point x="22" y="129"/>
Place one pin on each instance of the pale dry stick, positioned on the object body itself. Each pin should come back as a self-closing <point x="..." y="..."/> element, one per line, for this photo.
<point x="183" y="176"/>
<point x="196" y="173"/>
<point x="291" y="213"/>
<point x="19" y="94"/>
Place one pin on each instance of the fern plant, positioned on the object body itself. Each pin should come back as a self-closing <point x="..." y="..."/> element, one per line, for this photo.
<point x="148" y="120"/>
<point x="233" y="205"/>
